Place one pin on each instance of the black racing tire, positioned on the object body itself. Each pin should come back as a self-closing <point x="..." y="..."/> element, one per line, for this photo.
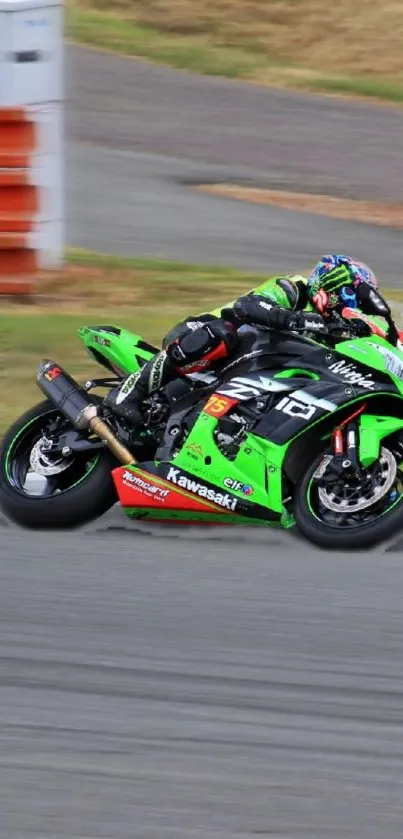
<point x="72" y="507"/>
<point x="350" y="539"/>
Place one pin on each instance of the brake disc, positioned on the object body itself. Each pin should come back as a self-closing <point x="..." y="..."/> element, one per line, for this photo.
<point x="42" y="464"/>
<point x="382" y="482"/>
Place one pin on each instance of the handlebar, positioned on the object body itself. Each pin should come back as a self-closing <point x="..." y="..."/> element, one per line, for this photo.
<point x="346" y="330"/>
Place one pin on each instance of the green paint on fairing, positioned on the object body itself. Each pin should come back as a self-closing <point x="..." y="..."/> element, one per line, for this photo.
<point x="123" y="351"/>
<point x="296" y="371"/>
<point x="377" y="354"/>
<point x="258" y="464"/>
<point x="373" y="429"/>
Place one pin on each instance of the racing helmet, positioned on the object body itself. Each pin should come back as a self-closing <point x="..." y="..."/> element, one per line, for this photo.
<point x="333" y="283"/>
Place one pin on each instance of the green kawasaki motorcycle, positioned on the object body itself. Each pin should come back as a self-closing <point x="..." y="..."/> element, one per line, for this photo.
<point x="292" y="430"/>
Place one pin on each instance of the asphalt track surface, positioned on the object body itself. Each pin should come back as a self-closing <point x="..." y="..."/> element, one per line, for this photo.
<point x="157" y="686"/>
<point x="138" y="135"/>
<point x="161" y="688"/>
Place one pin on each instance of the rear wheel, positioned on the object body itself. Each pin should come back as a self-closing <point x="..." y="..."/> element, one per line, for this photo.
<point x="351" y="513"/>
<point x="43" y="490"/>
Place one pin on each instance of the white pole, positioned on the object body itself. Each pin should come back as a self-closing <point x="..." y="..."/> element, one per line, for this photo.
<point x="31" y="140"/>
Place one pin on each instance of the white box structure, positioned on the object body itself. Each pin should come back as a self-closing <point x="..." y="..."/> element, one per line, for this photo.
<point x="31" y="141"/>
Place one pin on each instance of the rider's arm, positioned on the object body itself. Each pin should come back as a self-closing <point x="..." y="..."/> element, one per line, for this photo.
<point x="267" y="311"/>
<point x="283" y="294"/>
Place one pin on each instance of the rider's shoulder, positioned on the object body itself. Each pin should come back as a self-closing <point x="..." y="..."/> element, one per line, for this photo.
<point x="285" y="288"/>
<point x="281" y="280"/>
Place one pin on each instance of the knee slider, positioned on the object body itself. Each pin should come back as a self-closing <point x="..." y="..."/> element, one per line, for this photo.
<point x="215" y="340"/>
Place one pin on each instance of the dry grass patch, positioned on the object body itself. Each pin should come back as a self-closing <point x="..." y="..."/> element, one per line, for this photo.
<point x="349" y="37"/>
<point x="379" y="213"/>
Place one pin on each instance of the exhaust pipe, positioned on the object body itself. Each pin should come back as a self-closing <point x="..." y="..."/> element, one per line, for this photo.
<point x="75" y="404"/>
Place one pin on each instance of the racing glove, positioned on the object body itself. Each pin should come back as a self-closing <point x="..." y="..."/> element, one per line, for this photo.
<point x="310" y="321"/>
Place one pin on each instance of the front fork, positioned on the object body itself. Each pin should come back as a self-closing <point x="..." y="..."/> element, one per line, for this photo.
<point x="345" y="444"/>
<point x="356" y="442"/>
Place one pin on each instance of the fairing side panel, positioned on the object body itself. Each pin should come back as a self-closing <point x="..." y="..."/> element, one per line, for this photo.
<point x="117" y="349"/>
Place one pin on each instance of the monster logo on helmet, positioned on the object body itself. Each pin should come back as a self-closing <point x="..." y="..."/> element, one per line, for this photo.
<point x="334" y="279"/>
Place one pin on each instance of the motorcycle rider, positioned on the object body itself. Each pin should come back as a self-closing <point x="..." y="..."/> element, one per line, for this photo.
<point x="284" y="302"/>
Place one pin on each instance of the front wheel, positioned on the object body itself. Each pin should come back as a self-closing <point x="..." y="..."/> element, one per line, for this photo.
<point x="351" y="514"/>
<point x="45" y="491"/>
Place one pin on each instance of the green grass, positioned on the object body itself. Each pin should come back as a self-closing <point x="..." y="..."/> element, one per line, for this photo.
<point x="374" y="88"/>
<point x="197" y="53"/>
<point x="193" y="278"/>
<point x="107" y="31"/>
<point x="83" y="258"/>
<point x="146" y="296"/>
<point x="163" y="287"/>
<point x="25" y="338"/>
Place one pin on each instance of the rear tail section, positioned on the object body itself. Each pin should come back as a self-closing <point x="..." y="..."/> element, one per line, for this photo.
<point x="122" y="352"/>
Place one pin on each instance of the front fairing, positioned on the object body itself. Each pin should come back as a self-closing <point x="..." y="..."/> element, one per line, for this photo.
<point x="377" y="354"/>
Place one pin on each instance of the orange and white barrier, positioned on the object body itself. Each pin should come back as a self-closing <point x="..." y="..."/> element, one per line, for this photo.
<point x="31" y="142"/>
